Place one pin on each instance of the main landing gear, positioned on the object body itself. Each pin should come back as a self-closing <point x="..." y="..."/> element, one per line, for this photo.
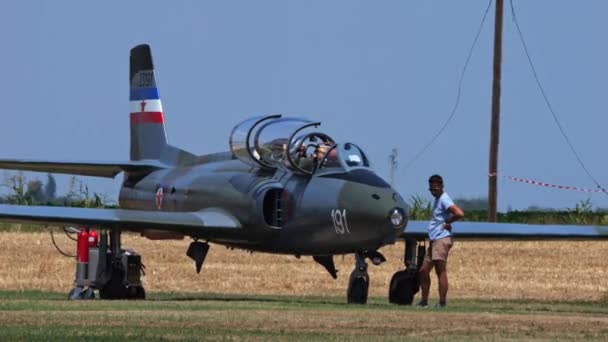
<point x="115" y="272"/>
<point x="405" y="284"/>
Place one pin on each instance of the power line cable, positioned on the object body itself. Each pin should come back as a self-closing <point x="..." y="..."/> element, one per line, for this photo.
<point x="464" y="69"/>
<point x="546" y="99"/>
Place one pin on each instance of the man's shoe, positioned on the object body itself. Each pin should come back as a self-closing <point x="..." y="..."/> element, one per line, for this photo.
<point x="423" y="304"/>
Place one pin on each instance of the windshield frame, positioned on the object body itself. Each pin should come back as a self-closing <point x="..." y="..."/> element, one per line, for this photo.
<point x="299" y="142"/>
<point x="365" y="161"/>
<point x="259" y="145"/>
<point x="342" y="150"/>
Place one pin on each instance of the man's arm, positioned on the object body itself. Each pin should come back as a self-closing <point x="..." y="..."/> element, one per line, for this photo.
<point x="457" y="214"/>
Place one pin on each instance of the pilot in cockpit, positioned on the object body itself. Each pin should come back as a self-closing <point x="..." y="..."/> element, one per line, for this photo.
<point x="306" y="161"/>
<point x="322" y="156"/>
<point x="310" y="161"/>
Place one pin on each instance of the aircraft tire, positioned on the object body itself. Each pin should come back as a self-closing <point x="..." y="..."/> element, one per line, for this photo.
<point x="357" y="290"/>
<point x="404" y="285"/>
<point x="136" y="293"/>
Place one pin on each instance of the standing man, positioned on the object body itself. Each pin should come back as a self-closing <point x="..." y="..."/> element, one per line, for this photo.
<point x="444" y="212"/>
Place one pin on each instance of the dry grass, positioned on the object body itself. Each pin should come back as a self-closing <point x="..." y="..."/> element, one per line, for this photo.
<point x="552" y="270"/>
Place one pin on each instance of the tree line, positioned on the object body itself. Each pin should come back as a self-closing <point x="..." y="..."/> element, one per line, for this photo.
<point x="23" y="191"/>
<point x="476" y="210"/>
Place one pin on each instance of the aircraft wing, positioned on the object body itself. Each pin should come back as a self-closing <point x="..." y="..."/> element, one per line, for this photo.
<point x="485" y="230"/>
<point x="207" y="223"/>
<point x="98" y="169"/>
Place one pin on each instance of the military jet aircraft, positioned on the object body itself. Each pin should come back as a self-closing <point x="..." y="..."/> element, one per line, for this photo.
<point x="284" y="187"/>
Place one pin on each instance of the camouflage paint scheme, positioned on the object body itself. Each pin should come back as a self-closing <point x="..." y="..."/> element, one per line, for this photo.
<point x="221" y="197"/>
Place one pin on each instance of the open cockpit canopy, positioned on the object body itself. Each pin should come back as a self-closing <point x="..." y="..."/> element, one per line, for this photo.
<point x="273" y="141"/>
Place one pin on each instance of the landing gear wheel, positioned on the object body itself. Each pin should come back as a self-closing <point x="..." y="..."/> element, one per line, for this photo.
<point x="358" y="283"/>
<point x="357" y="290"/>
<point x="136" y="292"/>
<point x="404" y="285"/>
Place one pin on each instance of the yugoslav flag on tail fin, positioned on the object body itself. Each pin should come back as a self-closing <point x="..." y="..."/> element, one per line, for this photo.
<point x="148" y="136"/>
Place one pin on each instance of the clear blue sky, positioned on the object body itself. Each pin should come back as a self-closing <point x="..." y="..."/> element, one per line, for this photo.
<point x="383" y="74"/>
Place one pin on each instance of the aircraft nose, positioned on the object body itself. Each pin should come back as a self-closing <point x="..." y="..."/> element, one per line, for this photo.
<point x="391" y="214"/>
<point x="377" y="202"/>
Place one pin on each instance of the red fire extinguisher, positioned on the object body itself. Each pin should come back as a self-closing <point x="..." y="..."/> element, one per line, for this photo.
<point x="82" y="252"/>
<point x="93" y="238"/>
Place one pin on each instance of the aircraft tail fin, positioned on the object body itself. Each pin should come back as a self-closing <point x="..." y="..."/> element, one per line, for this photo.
<point x="148" y="135"/>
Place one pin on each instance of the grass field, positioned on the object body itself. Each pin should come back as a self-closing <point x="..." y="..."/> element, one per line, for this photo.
<point x="44" y="316"/>
<point x="499" y="290"/>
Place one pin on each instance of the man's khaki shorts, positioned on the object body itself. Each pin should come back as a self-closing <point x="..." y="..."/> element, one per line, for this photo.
<point x="438" y="250"/>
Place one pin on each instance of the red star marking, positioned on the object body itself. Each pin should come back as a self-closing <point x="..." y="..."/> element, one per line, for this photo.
<point x="159" y="198"/>
<point x="143" y="105"/>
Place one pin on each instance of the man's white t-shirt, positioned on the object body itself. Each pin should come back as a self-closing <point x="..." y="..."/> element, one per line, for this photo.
<point x="439" y="215"/>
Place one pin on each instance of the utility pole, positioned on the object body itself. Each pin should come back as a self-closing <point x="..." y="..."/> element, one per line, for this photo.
<point x="495" y="125"/>
<point x="392" y="161"/>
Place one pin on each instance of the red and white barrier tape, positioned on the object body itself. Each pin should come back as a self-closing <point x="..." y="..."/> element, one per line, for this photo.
<point x="548" y="185"/>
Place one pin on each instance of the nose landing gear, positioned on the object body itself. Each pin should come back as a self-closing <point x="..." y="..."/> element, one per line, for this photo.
<point x="358" y="283"/>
